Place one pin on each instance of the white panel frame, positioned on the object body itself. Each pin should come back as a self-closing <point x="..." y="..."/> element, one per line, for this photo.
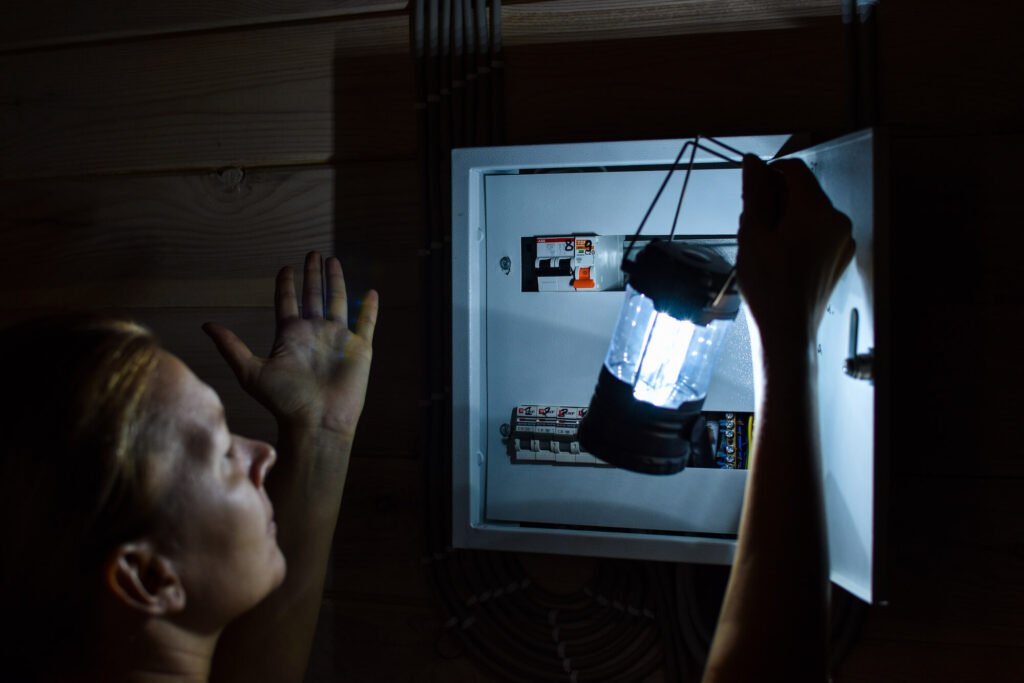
<point x="471" y="528"/>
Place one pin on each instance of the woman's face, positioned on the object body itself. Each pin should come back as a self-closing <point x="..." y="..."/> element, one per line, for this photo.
<point x="216" y="524"/>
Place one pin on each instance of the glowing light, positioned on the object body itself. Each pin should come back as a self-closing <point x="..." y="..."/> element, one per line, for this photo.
<point x="666" y="360"/>
<point x="656" y="381"/>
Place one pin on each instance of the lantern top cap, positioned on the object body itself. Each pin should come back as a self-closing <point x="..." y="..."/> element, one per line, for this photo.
<point x="683" y="281"/>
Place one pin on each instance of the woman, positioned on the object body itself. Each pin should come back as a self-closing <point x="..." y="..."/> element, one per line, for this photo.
<point x="137" y="527"/>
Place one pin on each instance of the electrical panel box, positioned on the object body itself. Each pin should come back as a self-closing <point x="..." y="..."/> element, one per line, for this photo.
<point x="538" y="234"/>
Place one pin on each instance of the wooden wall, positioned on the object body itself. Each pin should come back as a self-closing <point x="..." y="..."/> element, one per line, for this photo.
<point x="162" y="160"/>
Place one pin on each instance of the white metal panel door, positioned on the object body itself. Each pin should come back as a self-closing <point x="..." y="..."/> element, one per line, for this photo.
<point x="847" y="408"/>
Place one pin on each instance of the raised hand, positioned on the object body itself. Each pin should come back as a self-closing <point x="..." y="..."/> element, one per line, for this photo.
<point x="793" y="248"/>
<point x="316" y="374"/>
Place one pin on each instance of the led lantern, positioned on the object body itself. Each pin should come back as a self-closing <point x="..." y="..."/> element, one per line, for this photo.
<point x="645" y="414"/>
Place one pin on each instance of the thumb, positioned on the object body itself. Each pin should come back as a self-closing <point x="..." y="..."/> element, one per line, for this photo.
<point x="240" y="359"/>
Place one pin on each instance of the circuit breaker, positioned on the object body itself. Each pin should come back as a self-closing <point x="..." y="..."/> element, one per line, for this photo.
<point x="538" y="236"/>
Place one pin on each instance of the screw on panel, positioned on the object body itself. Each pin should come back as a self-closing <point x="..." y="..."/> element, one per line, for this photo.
<point x="505" y="430"/>
<point x="506" y="265"/>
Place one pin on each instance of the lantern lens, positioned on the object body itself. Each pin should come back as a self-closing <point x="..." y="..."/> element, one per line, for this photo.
<point x="663" y="360"/>
<point x="626" y="350"/>
<point x="645" y="414"/>
<point x="667" y="361"/>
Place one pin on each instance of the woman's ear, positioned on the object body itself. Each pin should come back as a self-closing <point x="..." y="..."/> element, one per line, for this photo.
<point x="142" y="579"/>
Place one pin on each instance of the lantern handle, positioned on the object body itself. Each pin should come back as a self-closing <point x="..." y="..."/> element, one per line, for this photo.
<point x="693" y="145"/>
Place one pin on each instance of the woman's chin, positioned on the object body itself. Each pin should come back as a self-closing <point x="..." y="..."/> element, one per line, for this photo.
<point x="282" y="570"/>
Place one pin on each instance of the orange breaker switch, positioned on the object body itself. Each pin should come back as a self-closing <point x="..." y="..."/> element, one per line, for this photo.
<point x="582" y="279"/>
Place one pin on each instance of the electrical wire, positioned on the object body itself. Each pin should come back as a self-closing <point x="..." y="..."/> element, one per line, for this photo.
<point x="631" y="618"/>
<point x="498" y="614"/>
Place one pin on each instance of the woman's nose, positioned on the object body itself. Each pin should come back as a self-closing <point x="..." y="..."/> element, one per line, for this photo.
<point x="263" y="456"/>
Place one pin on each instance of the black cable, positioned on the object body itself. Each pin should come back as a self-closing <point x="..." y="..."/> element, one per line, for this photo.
<point x="498" y="615"/>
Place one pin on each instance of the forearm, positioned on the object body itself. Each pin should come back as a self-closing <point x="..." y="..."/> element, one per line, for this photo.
<point x="272" y="642"/>
<point x="774" y="619"/>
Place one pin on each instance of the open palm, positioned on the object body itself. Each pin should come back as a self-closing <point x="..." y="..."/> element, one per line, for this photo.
<point x="316" y="373"/>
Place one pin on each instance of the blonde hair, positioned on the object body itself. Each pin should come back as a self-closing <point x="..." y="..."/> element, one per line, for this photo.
<point x="73" y="470"/>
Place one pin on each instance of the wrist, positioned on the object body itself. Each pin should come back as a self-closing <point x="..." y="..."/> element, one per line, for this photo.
<point x="299" y="428"/>
<point x="794" y="350"/>
<point x="313" y="456"/>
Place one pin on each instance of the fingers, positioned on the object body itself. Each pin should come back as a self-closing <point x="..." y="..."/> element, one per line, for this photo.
<point x="238" y="356"/>
<point x="846" y="253"/>
<point x="285" y="305"/>
<point x="800" y="183"/>
<point x="763" y="194"/>
<point x="337" y="297"/>
<point x="312" y="287"/>
<point x="368" y="316"/>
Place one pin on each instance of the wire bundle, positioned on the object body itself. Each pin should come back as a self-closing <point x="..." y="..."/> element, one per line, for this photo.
<point x="609" y="631"/>
<point x="632" y="618"/>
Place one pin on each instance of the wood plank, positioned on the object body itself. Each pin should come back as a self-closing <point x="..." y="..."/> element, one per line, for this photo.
<point x="379" y="540"/>
<point x="877" y="661"/>
<point x="232" y="223"/>
<point x="299" y="94"/>
<point x="54" y="22"/>
<point x="756" y="82"/>
<point x="213" y="239"/>
<point x="393" y="271"/>
<point x="954" y="236"/>
<point x="956" y="194"/>
<point x="388" y="427"/>
<point x="942" y="70"/>
<point x="379" y="582"/>
<point x="957" y="597"/>
<point x="560" y="21"/>
<point x="956" y="563"/>
<point x="368" y="641"/>
<point x="391" y="417"/>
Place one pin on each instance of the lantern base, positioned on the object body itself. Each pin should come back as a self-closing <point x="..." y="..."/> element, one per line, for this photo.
<point x="638" y="436"/>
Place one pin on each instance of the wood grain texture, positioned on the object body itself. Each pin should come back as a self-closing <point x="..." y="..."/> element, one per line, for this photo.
<point x="380" y="620"/>
<point x="205" y="240"/>
<point x="946" y="70"/>
<point x="390" y="418"/>
<point x="256" y="97"/>
<point x="394" y="271"/>
<point x="380" y="534"/>
<point x="957" y="563"/>
<point x="381" y="643"/>
<point x="46" y="23"/>
<point x="958" y="294"/>
<point x="923" y="662"/>
<point x="229" y="224"/>
<point x="957" y="586"/>
<point x="388" y="427"/>
<point x="562" y="21"/>
<point x="249" y="97"/>
<point x="764" y="81"/>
